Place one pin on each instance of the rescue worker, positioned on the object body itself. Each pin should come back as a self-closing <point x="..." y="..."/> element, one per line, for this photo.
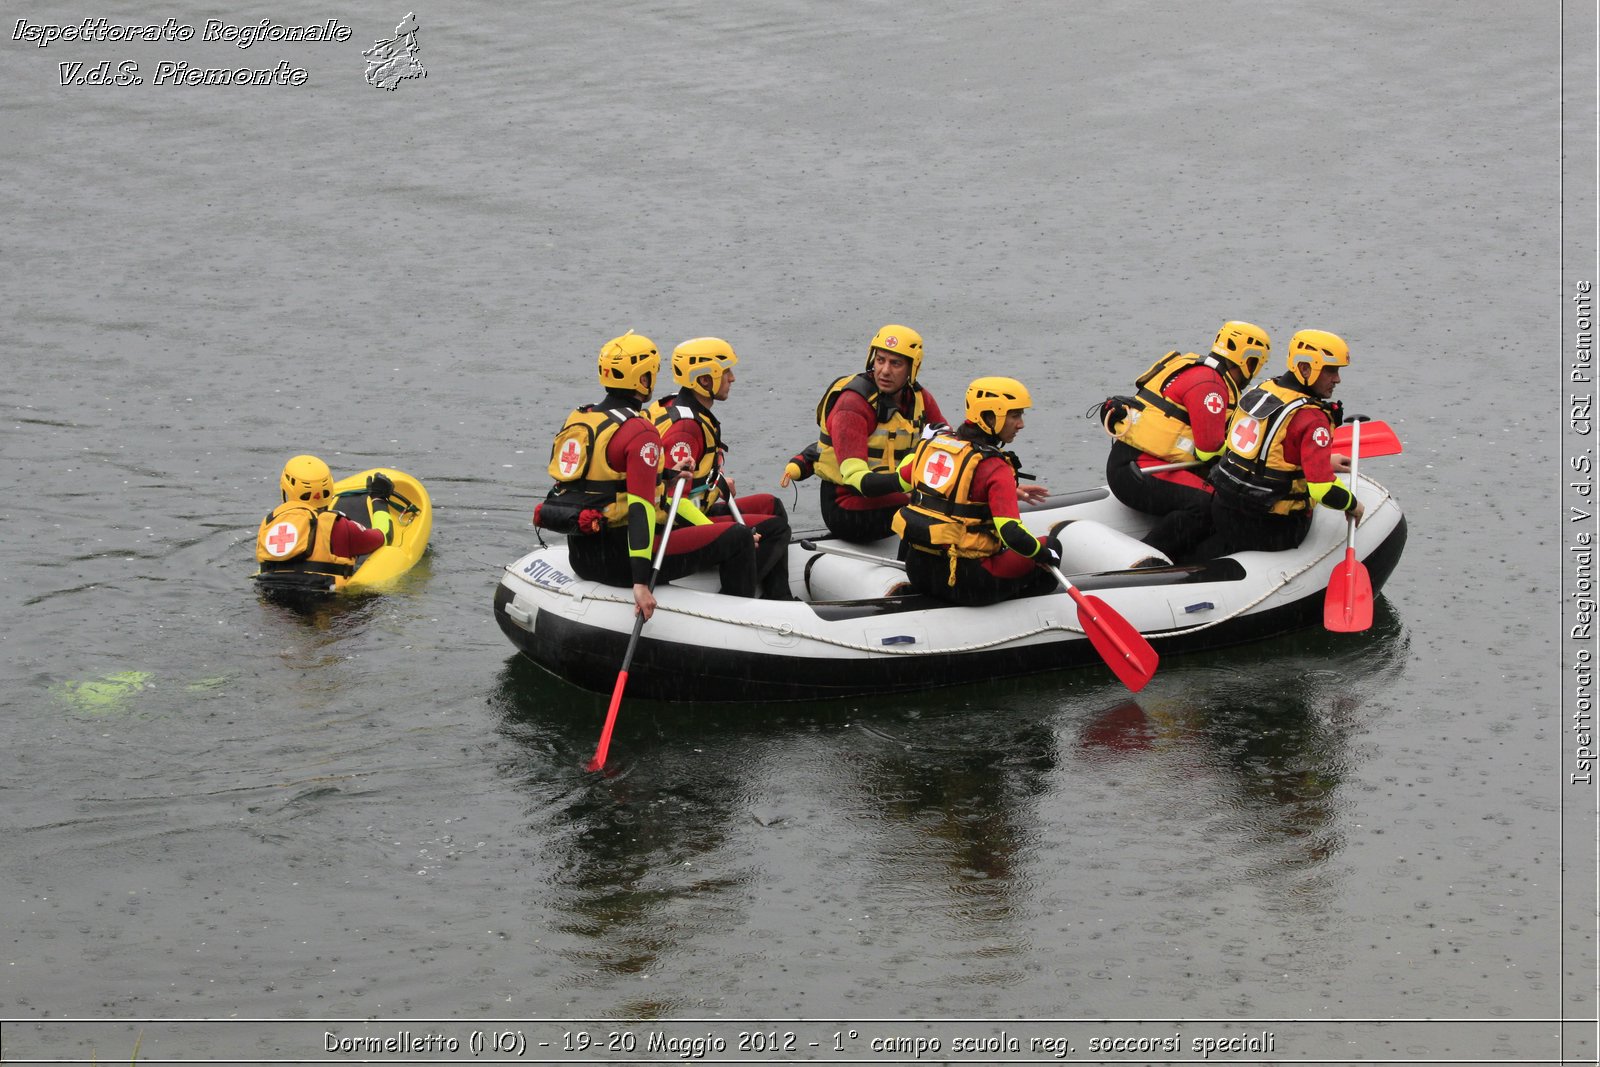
<point x="1179" y="415"/>
<point x="606" y="461"/>
<point x="966" y="538"/>
<point x="691" y="440"/>
<point x="868" y="423"/>
<point x="1279" y="462"/>
<point x="303" y="545"/>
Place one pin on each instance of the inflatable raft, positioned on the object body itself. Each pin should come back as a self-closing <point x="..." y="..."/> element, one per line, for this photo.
<point x="857" y="629"/>
<point x="411" y="517"/>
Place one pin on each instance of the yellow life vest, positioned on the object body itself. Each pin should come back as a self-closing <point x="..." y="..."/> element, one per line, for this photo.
<point x="295" y="540"/>
<point x="707" y="487"/>
<point x="1157" y="424"/>
<point x="942" y="516"/>
<point x="584" y="479"/>
<point x="891" y="440"/>
<point x="1253" y="472"/>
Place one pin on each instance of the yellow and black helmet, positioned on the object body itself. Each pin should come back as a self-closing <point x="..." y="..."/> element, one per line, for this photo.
<point x="625" y="362"/>
<point x="1311" y="350"/>
<point x="307" y="479"/>
<point x="989" y="400"/>
<point x="898" y="341"/>
<point x="699" y="357"/>
<point x="1243" y="344"/>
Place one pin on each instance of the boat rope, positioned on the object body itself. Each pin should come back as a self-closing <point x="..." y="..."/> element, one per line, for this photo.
<point x="789" y="630"/>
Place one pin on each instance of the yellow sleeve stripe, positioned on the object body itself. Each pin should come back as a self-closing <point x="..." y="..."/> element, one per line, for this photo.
<point x="650" y="525"/>
<point x="1011" y="539"/>
<point x="1318" y="490"/>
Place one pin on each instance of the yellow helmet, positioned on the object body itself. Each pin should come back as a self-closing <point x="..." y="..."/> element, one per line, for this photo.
<point x="997" y="397"/>
<point x="1244" y="345"/>
<point x="694" y="359"/>
<point x="1311" y="350"/>
<point x="308" y="479"/>
<point x="898" y="341"/>
<point x="625" y="360"/>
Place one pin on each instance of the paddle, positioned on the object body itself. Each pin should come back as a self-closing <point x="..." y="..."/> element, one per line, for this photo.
<point x="1377" y="439"/>
<point x="733" y="505"/>
<point x="1124" y="649"/>
<point x="865" y="557"/>
<point x="1160" y="467"/>
<point x="599" y="759"/>
<point x="1347" y="607"/>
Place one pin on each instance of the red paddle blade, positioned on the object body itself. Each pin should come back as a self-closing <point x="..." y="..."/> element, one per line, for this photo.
<point x="1347" y="609"/>
<point x="1124" y="649"/>
<point x="604" y="746"/>
<point x="1377" y="439"/>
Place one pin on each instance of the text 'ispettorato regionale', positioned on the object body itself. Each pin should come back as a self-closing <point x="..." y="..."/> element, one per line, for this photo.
<point x="243" y="34"/>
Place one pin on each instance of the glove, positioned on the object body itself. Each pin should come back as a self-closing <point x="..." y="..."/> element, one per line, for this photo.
<point x="799" y="468"/>
<point x="934" y="429"/>
<point x="1047" y="557"/>
<point x="671" y="480"/>
<point x="379" y="486"/>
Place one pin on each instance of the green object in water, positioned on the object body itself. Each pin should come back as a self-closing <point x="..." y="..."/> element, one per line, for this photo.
<point x="104" y="694"/>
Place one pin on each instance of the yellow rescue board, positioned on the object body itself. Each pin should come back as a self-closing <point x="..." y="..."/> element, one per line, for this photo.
<point x="411" y="513"/>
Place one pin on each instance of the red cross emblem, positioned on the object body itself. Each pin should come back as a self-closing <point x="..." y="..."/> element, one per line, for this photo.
<point x="1214" y="403"/>
<point x="571" y="457"/>
<point x="282" y="538"/>
<point x="891" y="342"/>
<point x="1321" y="437"/>
<point x="938" y="471"/>
<point x="680" y="451"/>
<point x="1242" y="438"/>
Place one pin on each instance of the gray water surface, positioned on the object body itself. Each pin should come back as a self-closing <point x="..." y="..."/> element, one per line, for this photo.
<point x="217" y="809"/>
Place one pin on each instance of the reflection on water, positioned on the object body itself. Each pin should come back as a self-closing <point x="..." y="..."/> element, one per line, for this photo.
<point x="1264" y="736"/>
<point x="958" y="812"/>
<point x="950" y="818"/>
<point x="341" y="612"/>
<point x="335" y="616"/>
<point x="641" y="867"/>
<point x="176" y="852"/>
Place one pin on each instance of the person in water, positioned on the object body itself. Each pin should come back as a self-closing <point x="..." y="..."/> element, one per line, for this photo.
<point x="303" y="543"/>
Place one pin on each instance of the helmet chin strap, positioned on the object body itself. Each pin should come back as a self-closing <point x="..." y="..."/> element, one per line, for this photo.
<point x="984" y="435"/>
<point x="625" y="398"/>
